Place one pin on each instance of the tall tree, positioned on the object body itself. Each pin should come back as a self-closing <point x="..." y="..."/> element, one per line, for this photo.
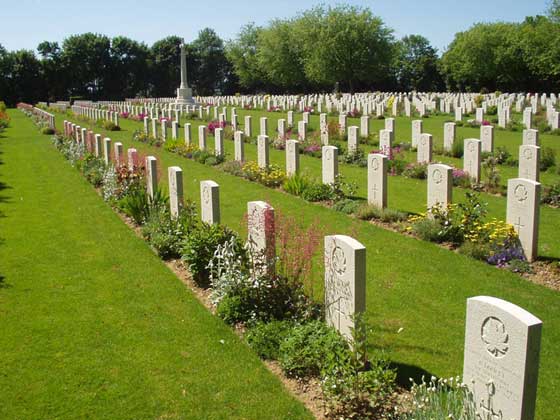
<point x="242" y="54"/>
<point x="86" y="60"/>
<point x="280" y="57"/>
<point x="485" y="56"/>
<point x="166" y="70"/>
<point x="416" y="65"/>
<point x="53" y="70"/>
<point x="210" y="63"/>
<point x="128" y="69"/>
<point x="345" y="44"/>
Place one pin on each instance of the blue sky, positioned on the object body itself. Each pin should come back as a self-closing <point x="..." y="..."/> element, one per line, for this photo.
<point x="25" y="23"/>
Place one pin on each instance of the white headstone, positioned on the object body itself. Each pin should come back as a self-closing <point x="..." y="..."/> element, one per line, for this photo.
<point x="263" y="151"/>
<point x="248" y="127"/>
<point x="202" y="137"/>
<point x="471" y="158"/>
<point x="531" y="137"/>
<point x="302" y="130"/>
<point x="523" y="198"/>
<point x="151" y="175"/>
<point x="260" y="242"/>
<point x="529" y="158"/>
<point x="440" y="185"/>
<point x="501" y="361"/>
<point x="487" y="138"/>
<point x="292" y="157"/>
<point x="330" y="164"/>
<point x="377" y="179"/>
<point x="175" y="174"/>
<point x="416" y="132"/>
<point x="345" y="282"/>
<point x="449" y="130"/>
<point x="132" y="155"/>
<point x="364" y="126"/>
<point x="210" y="202"/>
<point x="239" y="146"/>
<point x="219" y="141"/>
<point x="264" y="126"/>
<point x="424" y="151"/>
<point x="107" y="150"/>
<point x="188" y="134"/>
<point x="386" y="138"/>
<point x="118" y="153"/>
<point x="352" y="139"/>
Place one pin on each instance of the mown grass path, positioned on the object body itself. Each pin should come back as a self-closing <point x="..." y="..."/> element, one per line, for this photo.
<point x="414" y="287"/>
<point x="93" y="324"/>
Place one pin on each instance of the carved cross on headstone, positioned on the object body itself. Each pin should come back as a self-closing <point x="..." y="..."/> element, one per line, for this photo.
<point x="487" y="407"/>
<point x="518" y="224"/>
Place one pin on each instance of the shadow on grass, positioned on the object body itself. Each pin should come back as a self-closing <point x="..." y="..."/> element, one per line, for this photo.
<point x="549" y="259"/>
<point x="406" y="372"/>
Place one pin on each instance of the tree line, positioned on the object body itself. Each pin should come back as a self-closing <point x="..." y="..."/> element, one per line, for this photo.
<point x="322" y="49"/>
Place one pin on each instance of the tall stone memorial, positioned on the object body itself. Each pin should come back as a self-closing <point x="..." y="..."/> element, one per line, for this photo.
<point x="345" y="282"/>
<point x="501" y="359"/>
<point x="184" y="93"/>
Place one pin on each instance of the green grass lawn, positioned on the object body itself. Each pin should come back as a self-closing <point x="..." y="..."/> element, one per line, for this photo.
<point x="411" y="284"/>
<point x="93" y="324"/>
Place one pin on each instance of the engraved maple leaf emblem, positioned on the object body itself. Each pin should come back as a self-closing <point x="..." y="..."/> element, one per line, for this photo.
<point x="495" y="337"/>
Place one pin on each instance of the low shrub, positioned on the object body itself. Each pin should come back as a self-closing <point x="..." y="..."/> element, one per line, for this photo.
<point x="47" y="130"/>
<point x="110" y="126"/>
<point x="457" y="149"/>
<point x="416" y="170"/>
<point x="547" y="158"/>
<point x="307" y="347"/>
<point x="551" y="195"/>
<point x="93" y="168"/>
<point x="166" y="233"/>
<point x="266" y="338"/>
<point x="296" y="184"/>
<point x="369" y="212"/>
<point x="137" y="204"/>
<point x="199" y="247"/>
<point x="346" y="206"/>
<point x="272" y="176"/>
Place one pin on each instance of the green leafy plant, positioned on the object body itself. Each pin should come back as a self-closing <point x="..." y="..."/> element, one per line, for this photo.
<point x="166" y="233"/>
<point x="266" y="338"/>
<point x="441" y="399"/>
<point x="369" y="212"/>
<point x="199" y="246"/>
